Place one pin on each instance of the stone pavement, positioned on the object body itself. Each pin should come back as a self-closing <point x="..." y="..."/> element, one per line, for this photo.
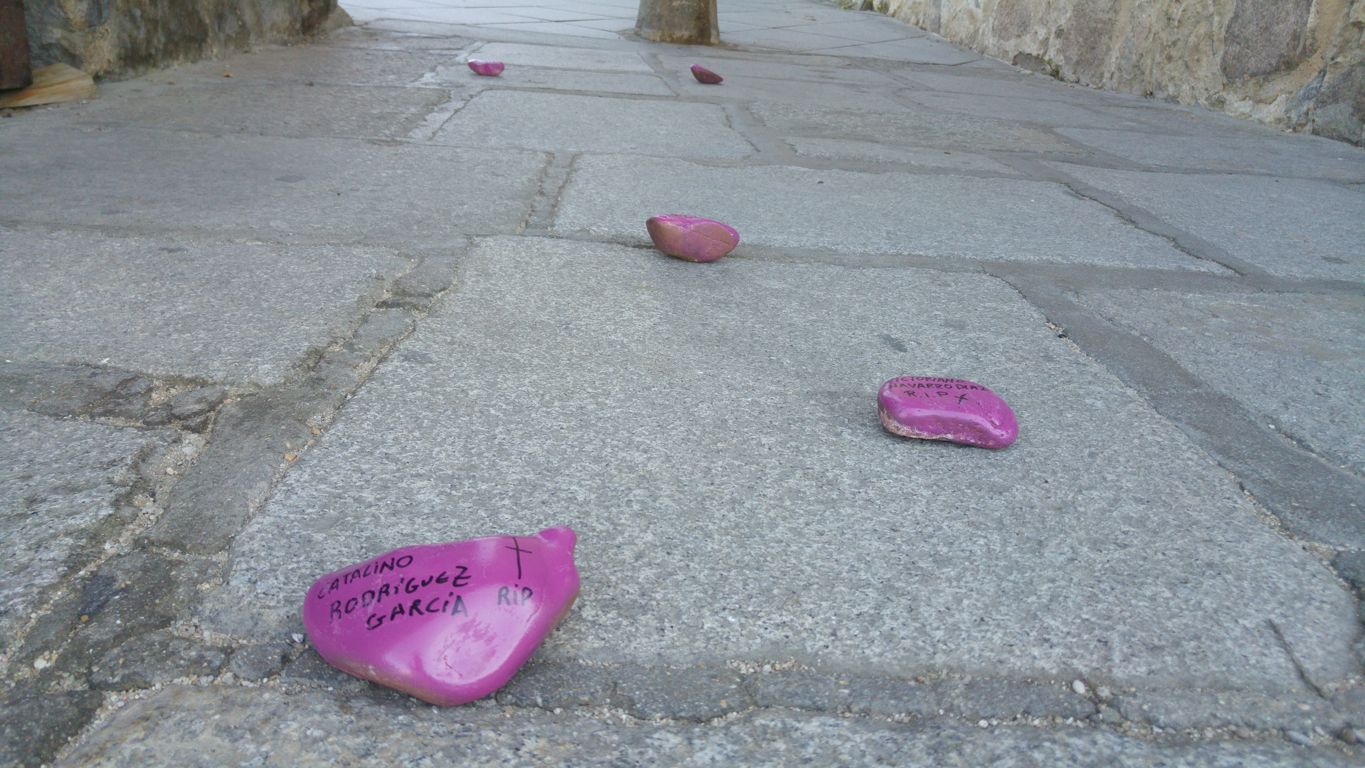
<point x="253" y="328"/>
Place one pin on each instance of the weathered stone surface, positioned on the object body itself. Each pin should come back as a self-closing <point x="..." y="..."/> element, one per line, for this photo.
<point x="109" y="40"/>
<point x="62" y="485"/>
<point x="1265" y="36"/>
<point x="258" y="662"/>
<point x="788" y="207"/>
<point x="1289" y="227"/>
<point x="551" y="686"/>
<point x="1298" y="359"/>
<point x="265" y="188"/>
<point x="915" y="128"/>
<point x="1339" y="110"/>
<point x="38" y="723"/>
<point x="565" y="57"/>
<point x="594" y="124"/>
<point x="215" y="726"/>
<point x="1351" y="566"/>
<point x="1185" y="709"/>
<point x="1119" y="509"/>
<point x="185" y="306"/>
<point x="880" y="154"/>
<point x="1301" y="156"/>
<point x="152" y="659"/>
<point x="558" y="79"/>
<point x="1251" y="57"/>
<point x="238" y="106"/>
<point x="74" y="389"/>
<point x="689" y="693"/>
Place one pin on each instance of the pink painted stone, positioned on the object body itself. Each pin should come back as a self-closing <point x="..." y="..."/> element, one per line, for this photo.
<point x="957" y="410"/>
<point x="705" y="75"/>
<point x="447" y="623"/>
<point x="692" y="238"/>
<point x="486" y="68"/>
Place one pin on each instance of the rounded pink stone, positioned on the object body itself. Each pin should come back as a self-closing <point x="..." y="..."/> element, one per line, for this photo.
<point x="486" y="68"/>
<point x="933" y="408"/>
<point x="447" y="623"/>
<point x="705" y="75"/>
<point x="692" y="238"/>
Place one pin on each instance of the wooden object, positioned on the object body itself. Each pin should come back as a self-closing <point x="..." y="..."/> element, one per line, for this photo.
<point x="52" y="84"/>
<point x="14" y="66"/>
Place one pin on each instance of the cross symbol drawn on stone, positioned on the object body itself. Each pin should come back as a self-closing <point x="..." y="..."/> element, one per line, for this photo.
<point x="516" y="547"/>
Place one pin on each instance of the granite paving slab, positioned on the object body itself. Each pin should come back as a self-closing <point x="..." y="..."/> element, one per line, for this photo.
<point x="226" y="106"/>
<point x="891" y="212"/>
<point x="333" y="64"/>
<point x="554" y="79"/>
<point x="594" y="124"/>
<point x="908" y="127"/>
<point x="564" y="56"/>
<point x="246" y="313"/>
<point x="873" y="152"/>
<point x="62" y="483"/>
<point x="1018" y="109"/>
<point x="1288" y="227"/>
<point x="735" y="498"/>
<point x="1305" y="156"/>
<point x="216" y="726"/>
<point x="1299" y="359"/>
<point x="803" y="68"/>
<point x="262" y="187"/>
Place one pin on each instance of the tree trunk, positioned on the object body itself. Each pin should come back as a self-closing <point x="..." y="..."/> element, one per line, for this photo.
<point x="14" y="68"/>
<point x="678" y="21"/>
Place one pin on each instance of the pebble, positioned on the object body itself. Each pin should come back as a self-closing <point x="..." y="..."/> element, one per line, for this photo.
<point x="1299" y="738"/>
<point x="692" y="238"/>
<point x="486" y="68"/>
<point x="1079" y="687"/>
<point x="705" y="75"/>
<point x="956" y="410"/>
<point x="446" y="623"/>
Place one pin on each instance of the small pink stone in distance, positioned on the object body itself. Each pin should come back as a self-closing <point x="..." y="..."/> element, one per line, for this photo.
<point x="692" y="238"/>
<point x="486" y="68"/>
<point x="705" y="75"/>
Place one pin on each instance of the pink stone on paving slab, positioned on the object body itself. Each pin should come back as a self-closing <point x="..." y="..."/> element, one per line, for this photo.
<point x="705" y="75"/>
<point x="447" y="623"/>
<point x="692" y="238"/>
<point x="486" y="68"/>
<point x="960" y="411"/>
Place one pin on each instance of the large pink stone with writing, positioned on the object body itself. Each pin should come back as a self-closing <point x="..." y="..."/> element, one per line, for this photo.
<point x="692" y="238"/>
<point x="447" y="623"/>
<point x="957" y="410"/>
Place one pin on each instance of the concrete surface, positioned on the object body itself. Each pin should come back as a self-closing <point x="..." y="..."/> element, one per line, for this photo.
<point x="354" y="296"/>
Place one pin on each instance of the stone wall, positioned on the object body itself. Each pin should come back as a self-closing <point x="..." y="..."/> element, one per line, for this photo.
<point x="112" y="37"/>
<point x="1295" y="63"/>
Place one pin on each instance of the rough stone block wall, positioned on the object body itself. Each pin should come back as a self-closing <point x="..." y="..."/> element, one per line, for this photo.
<point x="113" y="37"/>
<point x="1295" y="63"/>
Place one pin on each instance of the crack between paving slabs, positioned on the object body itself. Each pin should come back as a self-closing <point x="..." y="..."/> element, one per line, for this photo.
<point x="309" y="404"/>
<point x="1066" y="315"/>
<point x="1139" y="218"/>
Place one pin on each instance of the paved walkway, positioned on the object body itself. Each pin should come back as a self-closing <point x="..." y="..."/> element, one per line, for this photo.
<point x="263" y="317"/>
